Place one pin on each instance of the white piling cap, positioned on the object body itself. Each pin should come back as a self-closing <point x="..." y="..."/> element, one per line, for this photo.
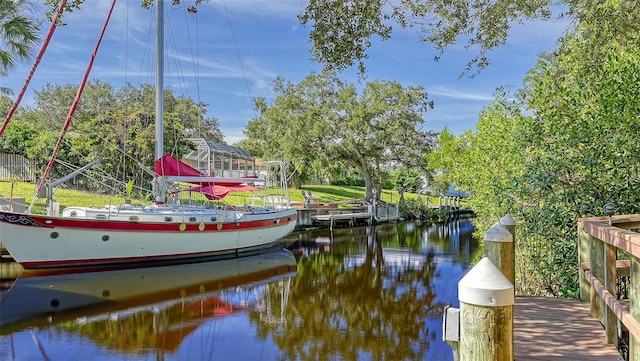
<point x="508" y="220"/>
<point x="485" y="285"/>
<point x="498" y="233"/>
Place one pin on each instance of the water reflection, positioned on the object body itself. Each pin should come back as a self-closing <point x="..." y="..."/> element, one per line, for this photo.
<point x="365" y="293"/>
<point x="375" y="293"/>
<point x="141" y="311"/>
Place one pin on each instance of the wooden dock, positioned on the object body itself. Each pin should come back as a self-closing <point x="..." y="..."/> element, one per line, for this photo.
<point x="349" y="218"/>
<point x="555" y="329"/>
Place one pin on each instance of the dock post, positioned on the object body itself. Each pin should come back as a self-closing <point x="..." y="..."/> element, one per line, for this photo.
<point x="596" y="267"/>
<point x="610" y="283"/>
<point x="498" y="247"/>
<point x="634" y="306"/>
<point x="510" y="224"/>
<point x="486" y="314"/>
<point x="584" y="260"/>
<point x="10" y="270"/>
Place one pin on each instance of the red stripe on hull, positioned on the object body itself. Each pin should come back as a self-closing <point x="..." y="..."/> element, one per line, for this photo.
<point x="52" y="222"/>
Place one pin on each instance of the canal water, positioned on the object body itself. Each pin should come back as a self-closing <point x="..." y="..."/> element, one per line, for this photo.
<point x="364" y="293"/>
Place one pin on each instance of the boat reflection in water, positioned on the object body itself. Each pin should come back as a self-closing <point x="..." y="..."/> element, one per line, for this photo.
<point x="151" y="308"/>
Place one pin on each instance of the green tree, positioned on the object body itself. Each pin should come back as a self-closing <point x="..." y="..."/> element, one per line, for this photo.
<point x="381" y="126"/>
<point x="408" y="180"/>
<point x="305" y="107"/>
<point x="324" y="121"/>
<point x="575" y="146"/>
<point x="16" y="137"/>
<point x="192" y="114"/>
<point x="485" y="163"/>
<point x="113" y="125"/>
<point x="52" y="104"/>
<point x="342" y="31"/>
<point x="18" y="34"/>
<point x="582" y="146"/>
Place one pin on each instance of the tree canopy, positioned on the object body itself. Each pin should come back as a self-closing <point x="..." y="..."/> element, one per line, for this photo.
<point x="562" y="148"/>
<point x="342" y="31"/>
<point x="323" y="121"/>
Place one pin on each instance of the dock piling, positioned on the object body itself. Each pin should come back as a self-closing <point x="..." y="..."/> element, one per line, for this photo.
<point x="499" y="249"/>
<point x="486" y="314"/>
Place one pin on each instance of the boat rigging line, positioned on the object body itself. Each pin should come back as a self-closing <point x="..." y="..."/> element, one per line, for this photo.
<point x="36" y="62"/>
<point x="72" y="110"/>
<point x="235" y="43"/>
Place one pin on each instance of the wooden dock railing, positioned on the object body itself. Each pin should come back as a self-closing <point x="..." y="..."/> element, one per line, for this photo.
<point x="484" y="326"/>
<point x="609" y="248"/>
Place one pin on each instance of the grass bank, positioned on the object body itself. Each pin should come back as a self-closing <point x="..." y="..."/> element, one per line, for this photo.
<point x="324" y="193"/>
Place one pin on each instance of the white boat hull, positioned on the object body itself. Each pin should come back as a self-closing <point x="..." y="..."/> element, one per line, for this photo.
<point x="132" y="237"/>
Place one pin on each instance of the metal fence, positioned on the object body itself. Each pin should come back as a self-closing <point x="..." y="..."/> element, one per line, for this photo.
<point x="15" y="166"/>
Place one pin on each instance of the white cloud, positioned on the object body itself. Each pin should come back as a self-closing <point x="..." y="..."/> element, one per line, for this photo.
<point x="457" y="94"/>
<point x="233" y="135"/>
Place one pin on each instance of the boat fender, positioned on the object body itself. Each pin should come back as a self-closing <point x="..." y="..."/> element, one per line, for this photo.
<point x="201" y="226"/>
<point x="219" y="225"/>
<point x="183" y="226"/>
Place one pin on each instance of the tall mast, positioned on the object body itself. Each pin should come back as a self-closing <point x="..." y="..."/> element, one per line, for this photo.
<point x="159" y="78"/>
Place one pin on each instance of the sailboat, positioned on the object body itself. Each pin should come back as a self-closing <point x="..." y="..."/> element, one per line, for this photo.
<point x="129" y="235"/>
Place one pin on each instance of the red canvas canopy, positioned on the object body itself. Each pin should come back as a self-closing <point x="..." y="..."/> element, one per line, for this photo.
<point x="168" y="165"/>
<point x="215" y="192"/>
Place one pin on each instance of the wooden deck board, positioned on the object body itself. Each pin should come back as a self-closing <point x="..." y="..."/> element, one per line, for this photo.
<point x="554" y="329"/>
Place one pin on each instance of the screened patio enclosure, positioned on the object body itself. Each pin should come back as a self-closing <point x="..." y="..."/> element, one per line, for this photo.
<point x="220" y="160"/>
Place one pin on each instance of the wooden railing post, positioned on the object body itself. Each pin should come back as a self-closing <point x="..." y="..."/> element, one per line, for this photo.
<point x="486" y="314"/>
<point x="634" y="306"/>
<point x="610" y="278"/>
<point x="596" y="267"/>
<point x="498" y="247"/>
<point x="584" y="258"/>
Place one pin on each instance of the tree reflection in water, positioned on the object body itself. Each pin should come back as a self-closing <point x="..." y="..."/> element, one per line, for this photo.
<point x="369" y="294"/>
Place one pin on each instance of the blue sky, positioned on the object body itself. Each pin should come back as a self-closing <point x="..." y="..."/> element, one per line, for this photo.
<point x="238" y="56"/>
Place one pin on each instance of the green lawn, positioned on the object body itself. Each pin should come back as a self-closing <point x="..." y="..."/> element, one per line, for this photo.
<point x="65" y="197"/>
<point x="324" y="193"/>
<point x="337" y="194"/>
